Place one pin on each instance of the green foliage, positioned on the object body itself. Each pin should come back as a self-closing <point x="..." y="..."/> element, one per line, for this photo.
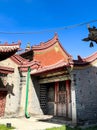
<point x="91" y="128"/>
<point x="63" y="128"/>
<point x="57" y="128"/>
<point x="4" y="127"/>
<point x="69" y="128"/>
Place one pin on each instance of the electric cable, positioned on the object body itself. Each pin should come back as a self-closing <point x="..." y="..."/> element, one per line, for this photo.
<point x="51" y="30"/>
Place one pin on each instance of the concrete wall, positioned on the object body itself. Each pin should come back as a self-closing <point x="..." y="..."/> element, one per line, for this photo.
<point x="86" y="93"/>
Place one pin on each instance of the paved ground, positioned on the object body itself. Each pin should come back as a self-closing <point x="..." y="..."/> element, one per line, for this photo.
<point x="33" y="123"/>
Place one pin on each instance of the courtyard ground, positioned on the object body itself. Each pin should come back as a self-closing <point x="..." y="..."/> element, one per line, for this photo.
<point x="33" y="123"/>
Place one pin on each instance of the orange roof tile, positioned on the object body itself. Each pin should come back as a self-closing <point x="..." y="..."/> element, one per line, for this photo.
<point x="49" y="55"/>
<point x="56" y="66"/>
<point x="50" y="52"/>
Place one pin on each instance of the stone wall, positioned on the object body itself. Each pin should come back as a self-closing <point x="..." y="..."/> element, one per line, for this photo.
<point x="86" y="93"/>
<point x="22" y="96"/>
<point x="35" y="107"/>
<point x="16" y="97"/>
<point x="33" y="96"/>
<point x="13" y="83"/>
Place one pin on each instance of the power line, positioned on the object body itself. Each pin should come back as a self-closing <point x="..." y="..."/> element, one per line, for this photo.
<point x="51" y="30"/>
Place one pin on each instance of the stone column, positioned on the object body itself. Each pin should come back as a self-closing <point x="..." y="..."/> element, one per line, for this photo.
<point x="56" y="98"/>
<point x="73" y="98"/>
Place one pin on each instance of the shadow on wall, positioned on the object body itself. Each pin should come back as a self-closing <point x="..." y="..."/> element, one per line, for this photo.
<point x="10" y="89"/>
<point x="1" y="83"/>
<point x="41" y="94"/>
<point x="6" y="86"/>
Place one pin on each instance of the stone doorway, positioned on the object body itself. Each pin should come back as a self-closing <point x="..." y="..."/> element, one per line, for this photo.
<point x="55" y="98"/>
<point x="63" y="99"/>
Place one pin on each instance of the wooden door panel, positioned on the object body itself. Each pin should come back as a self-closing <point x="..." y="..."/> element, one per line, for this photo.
<point x="61" y="109"/>
<point x="61" y="104"/>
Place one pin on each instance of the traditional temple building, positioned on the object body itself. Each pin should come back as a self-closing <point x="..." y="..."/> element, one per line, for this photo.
<point x="47" y="80"/>
<point x="51" y="80"/>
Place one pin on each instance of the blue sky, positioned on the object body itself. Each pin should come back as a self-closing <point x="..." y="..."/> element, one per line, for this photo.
<point x="39" y="15"/>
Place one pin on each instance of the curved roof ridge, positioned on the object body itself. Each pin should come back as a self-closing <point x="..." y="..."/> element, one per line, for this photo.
<point x="44" y="45"/>
<point x="86" y="60"/>
<point x="7" y="50"/>
<point x="61" y="62"/>
<point x="18" y="59"/>
<point x="32" y="64"/>
<point x="9" y="47"/>
<point x="65" y="50"/>
<point x="12" y="44"/>
<point x="57" y="65"/>
<point x="47" y="44"/>
<point x="6" y="70"/>
<point x="90" y="58"/>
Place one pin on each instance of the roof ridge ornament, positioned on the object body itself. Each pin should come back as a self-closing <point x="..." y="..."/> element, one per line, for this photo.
<point x="56" y="35"/>
<point x="92" y="36"/>
<point x="28" y="47"/>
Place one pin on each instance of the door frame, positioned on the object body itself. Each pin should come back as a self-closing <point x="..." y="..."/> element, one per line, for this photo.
<point x="68" y="96"/>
